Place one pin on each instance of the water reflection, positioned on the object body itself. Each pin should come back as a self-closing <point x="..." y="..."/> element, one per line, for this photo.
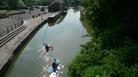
<point x="76" y="8"/>
<point x="65" y="37"/>
<point x="47" y="58"/>
<point x="58" y="21"/>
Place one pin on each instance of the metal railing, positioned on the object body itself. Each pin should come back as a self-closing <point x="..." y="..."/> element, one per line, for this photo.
<point x="9" y="36"/>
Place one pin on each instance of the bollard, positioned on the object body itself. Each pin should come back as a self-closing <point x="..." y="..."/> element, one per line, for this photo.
<point x="15" y="26"/>
<point x="33" y="16"/>
<point x="19" y="25"/>
<point x="8" y="30"/>
<point x="44" y="12"/>
<point x="21" y="22"/>
<point x="11" y="28"/>
<point x="15" y="17"/>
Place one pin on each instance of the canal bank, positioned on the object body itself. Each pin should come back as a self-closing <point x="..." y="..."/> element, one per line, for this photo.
<point x="9" y="49"/>
<point x="66" y="38"/>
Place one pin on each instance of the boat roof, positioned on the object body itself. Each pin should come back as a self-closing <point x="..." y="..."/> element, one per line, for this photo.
<point x="53" y="15"/>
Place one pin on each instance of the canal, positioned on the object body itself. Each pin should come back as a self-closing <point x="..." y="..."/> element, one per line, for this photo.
<point x="66" y="38"/>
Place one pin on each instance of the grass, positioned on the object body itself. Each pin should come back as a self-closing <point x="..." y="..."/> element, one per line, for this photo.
<point x="3" y="13"/>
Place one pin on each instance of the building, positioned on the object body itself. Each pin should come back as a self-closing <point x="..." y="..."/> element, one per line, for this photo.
<point x="56" y="5"/>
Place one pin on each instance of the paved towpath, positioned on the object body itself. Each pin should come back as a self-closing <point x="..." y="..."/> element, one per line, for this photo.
<point x="14" y="21"/>
<point x="7" y="50"/>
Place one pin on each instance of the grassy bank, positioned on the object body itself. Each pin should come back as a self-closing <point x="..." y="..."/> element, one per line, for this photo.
<point x="6" y="13"/>
<point x="3" y="13"/>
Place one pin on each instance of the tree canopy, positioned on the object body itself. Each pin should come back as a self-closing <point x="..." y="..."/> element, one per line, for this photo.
<point x="112" y="51"/>
<point x="18" y="4"/>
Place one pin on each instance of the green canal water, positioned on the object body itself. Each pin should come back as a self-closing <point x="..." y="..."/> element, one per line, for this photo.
<point x="65" y="36"/>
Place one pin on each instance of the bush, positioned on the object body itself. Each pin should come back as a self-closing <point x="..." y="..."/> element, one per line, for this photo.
<point x="94" y="71"/>
<point x="127" y="54"/>
<point x="3" y="13"/>
<point x="16" y="4"/>
<point x="6" y="7"/>
<point x="89" y="55"/>
<point x="114" y="68"/>
<point x="112" y="51"/>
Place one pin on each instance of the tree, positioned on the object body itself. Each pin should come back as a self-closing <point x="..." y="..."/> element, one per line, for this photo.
<point x="15" y="4"/>
<point x="43" y="2"/>
<point x="12" y="4"/>
<point x="30" y="2"/>
<point x="21" y="4"/>
<point x="114" y="44"/>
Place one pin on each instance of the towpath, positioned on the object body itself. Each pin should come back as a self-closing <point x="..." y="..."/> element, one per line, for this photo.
<point x="6" y="51"/>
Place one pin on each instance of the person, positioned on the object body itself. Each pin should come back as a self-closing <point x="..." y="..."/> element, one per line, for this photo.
<point x="54" y="65"/>
<point x="46" y="47"/>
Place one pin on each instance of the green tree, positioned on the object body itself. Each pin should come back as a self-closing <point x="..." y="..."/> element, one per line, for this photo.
<point x="43" y="2"/>
<point x="12" y="4"/>
<point x="30" y="2"/>
<point x="112" y="51"/>
<point x="21" y="4"/>
<point x="15" y="4"/>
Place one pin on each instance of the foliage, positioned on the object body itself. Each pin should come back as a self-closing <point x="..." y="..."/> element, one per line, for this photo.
<point x="112" y="52"/>
<point x="87" y="57"/>
<point x="3" y="13"/>
<point x="29" y="2"/>
<point x="114" y="68"/>
<point x="127" y="54"/>
<point x="5" y="7"/>
<point x="66" y="1"/>
<point x="43" y="2"/>
<point x="93" y="71"/>
<point x="15" y="4"/>
<point x="12" y="4"/>
<point x="19" y="4"/>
